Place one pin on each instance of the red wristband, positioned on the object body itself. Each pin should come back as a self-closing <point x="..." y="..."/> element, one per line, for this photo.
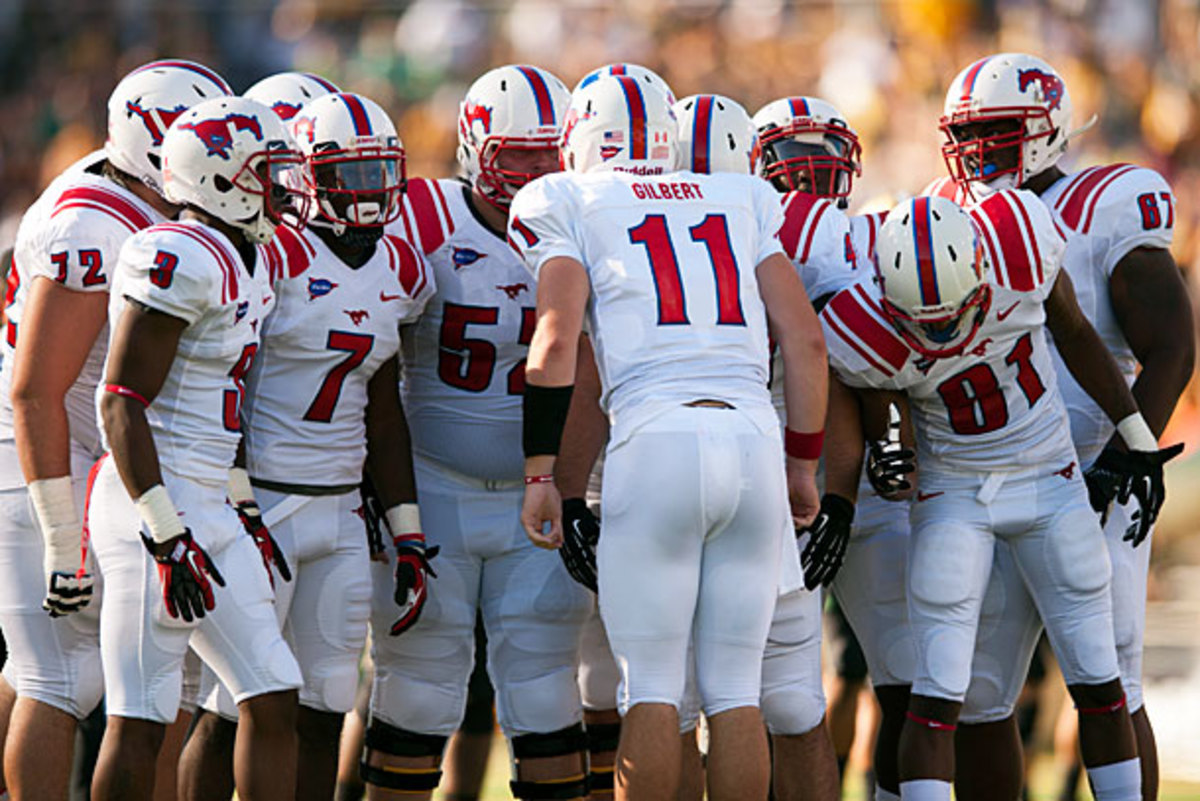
<point x="543" y="479"/>
<point x="126" y="392"/>
<point x="803" y="446"/>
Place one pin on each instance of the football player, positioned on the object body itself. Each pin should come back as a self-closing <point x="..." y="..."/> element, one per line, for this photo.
<point x="464" y="374"/>
<point x="287" y="92"/>
<point x="813" y="155"/>
<point x="1006" y="123"/>
<point x="66" y="252"/>
<point x="323" y="400"/>
<point x="958" y="322"/>
<point x="186" y="308"/>
<point x="691" y="546"/>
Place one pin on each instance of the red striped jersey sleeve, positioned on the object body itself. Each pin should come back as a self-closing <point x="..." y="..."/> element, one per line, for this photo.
<point x="864" y="348"/>
<point x="1023" y="245"/>
<point x="426" y="219"/>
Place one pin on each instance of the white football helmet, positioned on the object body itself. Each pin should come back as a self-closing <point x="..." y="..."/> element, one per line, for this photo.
<point x="933" y="272"/>
<point x="643" y="74"/>
<point x="716" y="135"/>
<point x="286" y="92"/>
<point x="229" y="157"/>
<point x="623" y="124"/>
<point x="1019" y="111"/>
<point x="355" y="160"/>
<point x="808" y="146"/>
<point x="510" y="114"/>
<point x="142" y="108"/>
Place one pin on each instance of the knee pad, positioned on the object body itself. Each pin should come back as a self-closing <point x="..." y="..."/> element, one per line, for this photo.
<point x="602" y="738"/>
<point x="384" y="738"/>
<point x="427" y="702"/>
<point x="571" y="740"/>
<point x="548" y="701"/>
<point x="792" y="709"/>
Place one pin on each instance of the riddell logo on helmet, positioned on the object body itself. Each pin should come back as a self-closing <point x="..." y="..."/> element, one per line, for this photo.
<point x="640" y="169"/>
<point x="152" y="120"/>
<point x="1051" y="85"/>
<point x="217" y="135"/>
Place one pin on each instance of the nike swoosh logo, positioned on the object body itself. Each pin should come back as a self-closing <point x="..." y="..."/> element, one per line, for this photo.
<point x="1000" y="315"/>
<point x="924" y="496"/>
<point x="385" y="297"/>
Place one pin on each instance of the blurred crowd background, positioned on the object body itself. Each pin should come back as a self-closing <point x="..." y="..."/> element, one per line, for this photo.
<point x="1133" y="63"/>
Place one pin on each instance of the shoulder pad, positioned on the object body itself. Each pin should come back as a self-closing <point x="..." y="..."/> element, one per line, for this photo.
<point x="944" y="187"/>
<point x="802" y="213"/>
<point x="858" y="324"/>
<point x="408" y="265"/>
<point x="197" y="244"/>
<point x="426" y="217"/>
<point x="289" y="254"/>
<point x="1020" y="237"/>
<point x="1076" y="204"/>
<point x="104" y="201"/>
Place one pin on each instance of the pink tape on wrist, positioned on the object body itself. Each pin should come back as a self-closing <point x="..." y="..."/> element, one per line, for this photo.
<point x="126" y="392"/>
<point x="542" y="479"/>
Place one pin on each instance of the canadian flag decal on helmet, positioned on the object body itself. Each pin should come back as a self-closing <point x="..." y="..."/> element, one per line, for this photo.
<point x="217" y="135"/>
<point x="1051" y="85"/>
<point x="156" y="120"/>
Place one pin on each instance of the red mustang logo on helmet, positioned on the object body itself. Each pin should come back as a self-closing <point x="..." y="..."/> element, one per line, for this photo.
<point x="1052" y="85"/>
<point x="285" y="110"/>
<point x="216" y="133"/>
<point x="473" y="112"/>
<point x="156" y="123"/>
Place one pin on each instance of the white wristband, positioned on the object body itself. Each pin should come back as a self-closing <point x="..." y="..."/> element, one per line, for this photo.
<point x="54" y="503"/>
<point x="1137" y="434"/>
<point x="404" y="519"/>
<point x="158" y="512"/>
<point x="239" y="489"/>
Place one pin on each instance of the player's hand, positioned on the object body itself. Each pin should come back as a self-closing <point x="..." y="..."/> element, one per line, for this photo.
<point x="1120" y="475"/>
<point x="828" y="537"/>
<point x="184" y="570"/>
<point x="68" y="585"/>
<point x="272" y="554"/>
<point x="373" y="520"/>
<point x="581" y="532"/>
<point x="412" y="578"/>
<point x="890" y="464"/>
<point x="802" y="490"/>
<point x="543" y="505"/>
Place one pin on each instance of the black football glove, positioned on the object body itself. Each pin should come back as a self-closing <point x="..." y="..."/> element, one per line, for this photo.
<point x="184" y="570"/>
<point x="888" y="467"/>
<point x="1120" y="475"/>
<point x="581" y="532"/>
<point x="372" y="514"/>
<point x="272" y="554"/>
<point x="828" y="536"/>
<point x="412" y="579"/>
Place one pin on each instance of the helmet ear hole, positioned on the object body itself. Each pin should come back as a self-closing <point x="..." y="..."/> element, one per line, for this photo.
<point x="154" y="160"/>
<point x="222" y="184"/>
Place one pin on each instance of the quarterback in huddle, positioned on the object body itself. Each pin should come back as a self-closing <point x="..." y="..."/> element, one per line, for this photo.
<point x="290" y="439"/>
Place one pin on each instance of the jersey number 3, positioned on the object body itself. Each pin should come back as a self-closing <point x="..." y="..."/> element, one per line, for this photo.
<point x="713" y="233"/>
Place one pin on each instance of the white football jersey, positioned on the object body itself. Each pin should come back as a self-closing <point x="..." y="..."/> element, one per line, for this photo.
<point x="1105" y="212"/>
<point x="332" y="328"/>
<point x="864" y="233"/>
<point x="464" y="360"/>
<point x="675" y="312"/>
<point x="71" y="235"/>
<point x="997" y="405"/>
<point x="191" y="271"/>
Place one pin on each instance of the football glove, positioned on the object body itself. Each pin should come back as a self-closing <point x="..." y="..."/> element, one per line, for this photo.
<point x="272" y="554"/>
<point x="68" y="584"/>
<point x="827" y="539"/>
<point x="67" y="592"/>
<point x="412" y="576"/>
<point x="373" y="516"/>
<point x="1120" y="475"/>
<point x="581" y="532"/>
<point x="184" y="570"/>
<point x="888" y="462"/>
